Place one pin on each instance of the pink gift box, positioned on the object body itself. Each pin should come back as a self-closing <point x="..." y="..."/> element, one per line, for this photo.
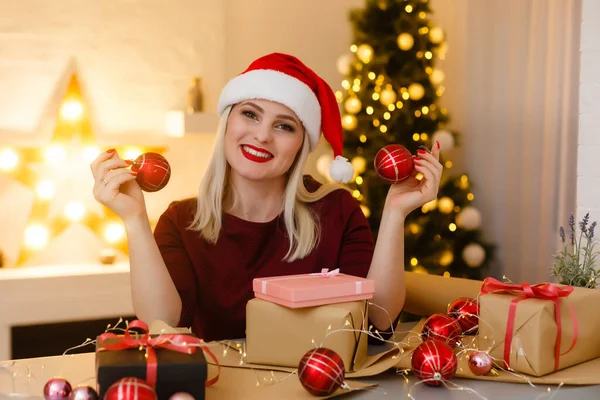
<point x="309" y="290"/>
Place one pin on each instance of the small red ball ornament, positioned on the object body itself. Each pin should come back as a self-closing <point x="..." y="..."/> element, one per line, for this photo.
<point x="393" y="163"/>
<point x="130" y="389"/>
<point x="465" y="311"/>
<point x="442" y="327"/>
<point x="321" y="371"/>
<point x="153" y="171"/>
<point x="480" y="363"/>
<point x="57" y="388"/>
<point x="434" y="361"/>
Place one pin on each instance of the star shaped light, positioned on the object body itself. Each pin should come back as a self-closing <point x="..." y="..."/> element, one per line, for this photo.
<point x="59" y="174"/>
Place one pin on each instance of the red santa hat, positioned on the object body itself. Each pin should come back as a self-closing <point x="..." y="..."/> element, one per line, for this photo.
<point x="285" y="79"/>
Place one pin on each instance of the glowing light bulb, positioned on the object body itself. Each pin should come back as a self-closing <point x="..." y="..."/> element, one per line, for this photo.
<point x="45" y="189"/>
<point x="132" y="153"/>
<point x="36" y="237"/>
<point x="414" y="262"/>
<point x="114" y="232"/>
<point x="75" y="211"/>
<point x="9" y="160"/>
<point x="72" y="110"/>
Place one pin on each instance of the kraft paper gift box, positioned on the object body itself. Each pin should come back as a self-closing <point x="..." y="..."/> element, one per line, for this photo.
<point x="309" y="290"/>
<point x="280" y="336"/>
<point x="553" y="326"/>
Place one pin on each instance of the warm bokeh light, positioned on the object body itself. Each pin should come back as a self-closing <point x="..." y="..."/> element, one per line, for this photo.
<point x="45" y="189"/>
<point x="75" y="211"/>
<point x="71" y="110"/>
<point x="9" y="160"/>
<point x="36" y="237"/>
<point x="55" y="154"/>
<point x="114" y="232"/>
<point x="89" y="153"/>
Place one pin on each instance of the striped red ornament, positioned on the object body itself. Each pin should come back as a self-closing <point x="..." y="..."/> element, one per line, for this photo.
<point x="153" y="171"/>
<point x="393" y="163"/>
<point x="130" y="389"/>
<point x="321" y="371"/>
<point x="434" y="361"/>
<point x="442" y="327"/>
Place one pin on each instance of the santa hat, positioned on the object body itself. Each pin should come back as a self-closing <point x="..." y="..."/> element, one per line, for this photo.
<point x="285" y="79"/>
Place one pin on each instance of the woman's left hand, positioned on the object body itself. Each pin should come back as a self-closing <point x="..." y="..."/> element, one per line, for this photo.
<point x="411" y="193"/>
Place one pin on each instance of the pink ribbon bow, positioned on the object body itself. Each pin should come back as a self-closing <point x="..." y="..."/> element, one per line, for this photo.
<point x="326" y="273"/>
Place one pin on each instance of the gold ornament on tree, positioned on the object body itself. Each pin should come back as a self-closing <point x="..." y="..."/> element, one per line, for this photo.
<point x="349" y="122"/>
<point x="436" y="35"/>
<point x="416" y="91"/>
<point x="365" y="53"/>
<point x="388" y="96"/>
<point x="353" y="105"/>
<point x="473" y="254"/>
<point x="445" y="205"/>
<point x="405" y="41"/>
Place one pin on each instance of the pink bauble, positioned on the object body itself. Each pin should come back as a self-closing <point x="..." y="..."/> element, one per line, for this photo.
<point x="57" y="388"/>
<point x="153" y="171"/>
<point x="480" y="363"/>
<point x="393" y="163"/>
<point x="434" y="361"/>
<point x="321" y="371"/>
<point x="130" y="389"/>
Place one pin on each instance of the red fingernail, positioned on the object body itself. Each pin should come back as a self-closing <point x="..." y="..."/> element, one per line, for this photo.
<point x="134" y="173"/>
<point x="128" y="162"/>
<point x="437" y="144"/>
<point x="421" y="151"/>
<point x="110" y="150"/>
<point x="417" y="158"/>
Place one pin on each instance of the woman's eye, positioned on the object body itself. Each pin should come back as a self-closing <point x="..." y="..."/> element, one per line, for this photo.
<point x="249" y="114"/>
<point x="286" y="127"/>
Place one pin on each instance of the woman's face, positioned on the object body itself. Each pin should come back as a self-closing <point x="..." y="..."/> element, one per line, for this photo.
<point x="262" y="139"/>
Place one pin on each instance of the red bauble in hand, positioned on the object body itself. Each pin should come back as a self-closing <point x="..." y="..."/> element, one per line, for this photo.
<point x="434" y="361"/>
<point x="480" y="363"/>
<point x="153" y="171"/>
<point x="321" y="371"/>
<point x="442" y="327"/>
<point x="393" y="163"/>
<point x="465" y="311"/>
<point x="130" y="389"/>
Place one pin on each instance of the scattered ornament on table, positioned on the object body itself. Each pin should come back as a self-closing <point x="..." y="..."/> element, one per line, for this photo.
<point x="83" y="392"/>
<point x="442" y="327"/>
<point x="181" y="396"/>
<point x="130" y="389"/>
<point x="57" y="388"/>
<point x="480" y="363"/>
<point x="393" y="163"/>
<point x="321" y="371"/>
<point x="465" y="311"/>
<point x="434" y="361"/>
<point x="153" y="171"/>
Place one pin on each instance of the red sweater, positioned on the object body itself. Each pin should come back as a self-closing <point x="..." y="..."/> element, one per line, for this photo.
<point x="215" y="281"/>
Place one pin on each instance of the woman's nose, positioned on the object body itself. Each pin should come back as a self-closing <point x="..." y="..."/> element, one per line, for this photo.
<point x="263" y="133"/>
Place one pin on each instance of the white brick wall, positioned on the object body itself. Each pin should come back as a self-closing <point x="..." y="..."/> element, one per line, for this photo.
<point x="588" y="163"/>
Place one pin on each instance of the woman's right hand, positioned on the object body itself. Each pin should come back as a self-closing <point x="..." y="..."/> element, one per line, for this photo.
<point x="115" y="185"/>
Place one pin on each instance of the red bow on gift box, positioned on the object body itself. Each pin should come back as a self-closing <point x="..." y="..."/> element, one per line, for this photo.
<point x="544" y="291"/>
<point x="175" y="342"/>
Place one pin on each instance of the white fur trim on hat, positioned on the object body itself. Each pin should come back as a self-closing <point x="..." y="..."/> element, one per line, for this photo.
<point x="279" y="87"/>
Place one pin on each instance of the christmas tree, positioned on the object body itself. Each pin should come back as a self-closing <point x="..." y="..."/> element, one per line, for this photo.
<point x="391" y="90"/>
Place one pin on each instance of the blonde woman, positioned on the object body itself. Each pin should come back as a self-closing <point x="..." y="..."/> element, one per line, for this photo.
<point x="256" y="214"/>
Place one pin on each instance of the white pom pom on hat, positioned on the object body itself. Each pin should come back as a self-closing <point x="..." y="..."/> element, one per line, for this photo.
<point x="285" y="79"/>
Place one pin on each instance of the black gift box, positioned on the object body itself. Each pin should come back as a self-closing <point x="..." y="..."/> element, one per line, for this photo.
<point x="176" y="372"/>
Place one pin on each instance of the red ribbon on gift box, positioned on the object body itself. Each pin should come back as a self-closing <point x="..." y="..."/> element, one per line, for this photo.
<point x="175" y="342"/>
<point x="544" y="291"/>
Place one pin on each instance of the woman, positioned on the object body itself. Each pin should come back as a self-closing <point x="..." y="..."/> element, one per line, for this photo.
<point x="256" y="215"/>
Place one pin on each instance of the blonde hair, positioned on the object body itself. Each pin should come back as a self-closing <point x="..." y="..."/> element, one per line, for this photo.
<point x="301" y="224"/>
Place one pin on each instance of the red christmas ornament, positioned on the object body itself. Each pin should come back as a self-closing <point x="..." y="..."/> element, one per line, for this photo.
<point x="465" y="311"/>
<point x="321" y="371"/>
<point x="442" y="327"/>
<point x="83" y="392"/>
<point x="434" y="361"/>
<point x="480" y="363"/>
<point x="153" y="171"/>
<point x="130" y="389"/>
<point x="57" y="388"/>
<point x="393" y="163"/>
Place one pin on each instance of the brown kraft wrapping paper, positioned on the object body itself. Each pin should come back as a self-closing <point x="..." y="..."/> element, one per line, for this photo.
<point x="279" y="336"/>
<point x="534" y="338"/>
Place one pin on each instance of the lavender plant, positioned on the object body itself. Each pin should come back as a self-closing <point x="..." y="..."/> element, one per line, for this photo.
<point x="575" y="264"/>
